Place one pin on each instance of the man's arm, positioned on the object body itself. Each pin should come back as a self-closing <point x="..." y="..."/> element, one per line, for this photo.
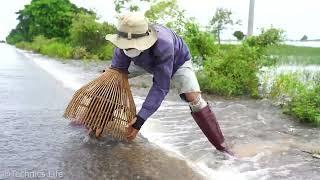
<point x="120" y="61"/>
<point x="160" y="88"/>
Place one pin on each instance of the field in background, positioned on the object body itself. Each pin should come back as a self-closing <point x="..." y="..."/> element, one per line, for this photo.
<point x="288" y="54"/>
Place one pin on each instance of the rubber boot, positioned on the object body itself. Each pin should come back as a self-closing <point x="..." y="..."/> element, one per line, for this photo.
<point x="207" y="122"/>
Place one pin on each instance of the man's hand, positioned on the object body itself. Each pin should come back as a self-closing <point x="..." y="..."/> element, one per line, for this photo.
<point x="131" y="131"/>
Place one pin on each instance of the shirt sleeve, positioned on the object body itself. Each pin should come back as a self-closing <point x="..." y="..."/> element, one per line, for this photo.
<point x="120" y="60"/>
<point x="161" y="82"/>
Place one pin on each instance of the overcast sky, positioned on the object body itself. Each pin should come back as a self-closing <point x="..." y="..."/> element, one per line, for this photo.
<point x="296" y="17"/>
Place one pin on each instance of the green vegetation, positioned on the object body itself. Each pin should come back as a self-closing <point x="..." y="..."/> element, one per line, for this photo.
<point x="231" y="70"/>
<point x="60" y="29"/>
<point x="239" y="35"/>
<point x="295" y="55"/>
<point x="57" y="28"/>
<point x="165" y="12"/>
<point x="50" y="47"/>
<point x="299" y="99"/>
<point x="50" y="18"/>
<point x="201" y="43"/>
<point x="220" y="21"/>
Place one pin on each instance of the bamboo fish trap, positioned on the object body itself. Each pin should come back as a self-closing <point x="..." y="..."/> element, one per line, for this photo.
<point x="104" y="105"/>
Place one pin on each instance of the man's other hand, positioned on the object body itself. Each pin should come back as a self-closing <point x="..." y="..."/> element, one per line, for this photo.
<point x="131" y="131"/>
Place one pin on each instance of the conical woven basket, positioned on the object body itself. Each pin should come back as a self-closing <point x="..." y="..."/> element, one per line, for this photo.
<point x="104" y="104"/>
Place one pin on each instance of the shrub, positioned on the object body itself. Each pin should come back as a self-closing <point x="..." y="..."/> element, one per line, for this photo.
<point x="299" y="99"/>
<point x="15" y="36"/>
<point x="268" y="37"/>
<point x="57" y="49"/>
<point x="51" y="47"/>
<point x="239" y="35"/>
<point x="40" y="42"/>
<point x="200" y="43"/>
<point x="306" y="105"/>
<point x="106" y="52"/>
<point x="24" y="45"/>
<point x="88" y="33"/>
<point x="231" y="72"/>
<point x="80" y="53"/>
<point x="285" y="87"/>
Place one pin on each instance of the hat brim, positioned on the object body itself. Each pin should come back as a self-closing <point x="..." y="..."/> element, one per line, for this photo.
<point x="142" y="43"/>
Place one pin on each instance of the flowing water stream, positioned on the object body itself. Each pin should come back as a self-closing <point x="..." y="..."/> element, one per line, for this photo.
<point x="268" y="144"/>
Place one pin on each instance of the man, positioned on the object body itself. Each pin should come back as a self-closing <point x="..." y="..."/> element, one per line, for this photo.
<point x="161" y="52"/>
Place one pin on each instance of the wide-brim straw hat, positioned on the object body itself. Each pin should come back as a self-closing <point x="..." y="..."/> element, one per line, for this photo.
<point x="133" y="31"/>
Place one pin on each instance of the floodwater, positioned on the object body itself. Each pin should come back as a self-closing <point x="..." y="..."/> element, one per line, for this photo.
<point x="305" y="73"/>
<point x="34" y="137"/>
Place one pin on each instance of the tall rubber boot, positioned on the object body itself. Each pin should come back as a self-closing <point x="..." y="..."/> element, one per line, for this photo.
<point x="207" y="122"/>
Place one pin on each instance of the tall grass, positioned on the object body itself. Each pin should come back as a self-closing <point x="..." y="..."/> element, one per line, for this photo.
<point x="287" y="54"/>
<point x="299" y="98"/>
<point x="60" y="49"/>
<point x="49" y="47"/>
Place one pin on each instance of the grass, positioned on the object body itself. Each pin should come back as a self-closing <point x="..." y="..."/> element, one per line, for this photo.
<point x="287" y="50"/>
<point x="63" y="50"/>
<point x="300" y="99"/>
<point x="295" y="55"/>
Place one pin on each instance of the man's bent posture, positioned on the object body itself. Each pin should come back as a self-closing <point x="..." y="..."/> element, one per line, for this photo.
<point x="161" y="52"/>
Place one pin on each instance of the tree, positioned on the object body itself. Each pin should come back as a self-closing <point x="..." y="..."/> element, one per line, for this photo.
<point x="268" y="37"/>
<point x="51" y="18"/>
<point x="86" y="32"/>
<point x="239" y="35"/>
<point x="220" y="21"/>
<point x="129" y="5"/>
<point x="167" y="12"/>
<point x="200" y="43"/>
<point x="304" y="38"/>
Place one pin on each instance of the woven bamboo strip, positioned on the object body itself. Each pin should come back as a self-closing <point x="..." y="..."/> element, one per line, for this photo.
<point x="92" y="108"/>
<point x="95" y="106"/>
<point x="111" y="79"/>
<point x="79" y="97"/>
<point x="99" y="117"/>
<point x="111" y="114"/>
<point x="96" y="116"/>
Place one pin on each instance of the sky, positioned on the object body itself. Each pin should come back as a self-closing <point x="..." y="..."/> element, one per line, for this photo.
<point x="296" y="17"/>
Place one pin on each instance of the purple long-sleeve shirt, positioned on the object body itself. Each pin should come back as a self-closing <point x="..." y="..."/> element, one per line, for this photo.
<point x="162" y="60"/>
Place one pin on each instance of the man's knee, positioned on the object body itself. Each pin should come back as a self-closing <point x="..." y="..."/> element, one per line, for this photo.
<point x="190" y="97"/>
<point x="194" y="100"/>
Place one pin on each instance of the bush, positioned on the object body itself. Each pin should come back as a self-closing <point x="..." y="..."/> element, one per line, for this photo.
<point x="40" y="42"/>
<point x="15" y="36"/>
<point x="80" y="53"/>
<point x="24" y="45"/>
<point x="306" y="105"/>
<point x="239" y="35"/>
<point x="268" y="37"/>
<point x="86" y="32"/>
<point x="285" y="87"/>
<point x="299" y="99"/>
<point x="50" y="47"/>
<point x="57" y="49"/>
<point x="200" y="43"/>
<point x="106" y="52"/>
<point x="232" y="72"/>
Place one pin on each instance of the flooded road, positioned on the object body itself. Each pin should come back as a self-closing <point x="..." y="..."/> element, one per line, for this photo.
<point x="34" y="137"/>
<point x="37" y="143"/>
